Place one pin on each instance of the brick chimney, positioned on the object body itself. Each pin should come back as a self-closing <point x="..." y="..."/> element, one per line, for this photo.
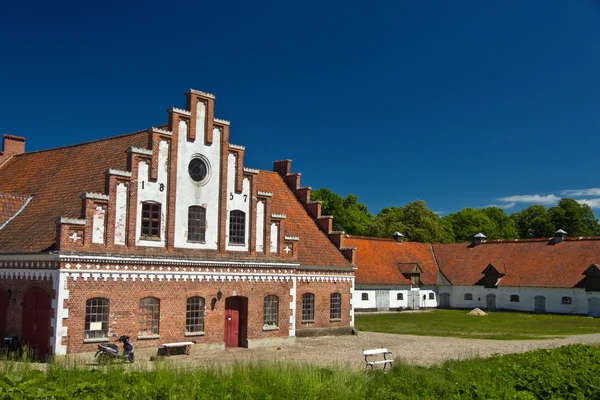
<point x="11" y="145"/>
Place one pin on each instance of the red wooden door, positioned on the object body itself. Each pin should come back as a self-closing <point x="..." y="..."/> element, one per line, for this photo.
<point x="36" y="321"/>
<point x="3" y="312"/>
<point x="232" y="321"/>
<point x="236" y="321"/>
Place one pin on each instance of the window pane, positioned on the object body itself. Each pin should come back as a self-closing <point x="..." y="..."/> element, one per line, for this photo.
<point x="335" y="306"/>
<point x="194" y="316"/>
<point x="196" y="223"/>
<point x="96" y="318"/>
<point x="151" y="219"/>
<point x="148" y="316"/>
<point x="237" y="227"/>
<point x="308" y="307"/>
<point x="271" y="310"/>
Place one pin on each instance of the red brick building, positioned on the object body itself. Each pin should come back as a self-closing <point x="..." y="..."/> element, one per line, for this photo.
<point x="166" y="236"/>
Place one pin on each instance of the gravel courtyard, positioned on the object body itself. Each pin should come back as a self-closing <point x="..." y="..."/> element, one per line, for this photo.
<point x="347" y="350"/>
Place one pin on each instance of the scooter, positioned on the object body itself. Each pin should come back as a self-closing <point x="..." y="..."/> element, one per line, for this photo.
<point x="110" y="351"/>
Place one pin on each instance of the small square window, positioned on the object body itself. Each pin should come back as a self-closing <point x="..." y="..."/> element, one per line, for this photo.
<point x="468" y="296"/>
<point x="514" y="298"/>
<point x="566" y="300"/>
<point x="399" y="296"/>
<point x="364" y="296"/>
<point x="431" y="296"/>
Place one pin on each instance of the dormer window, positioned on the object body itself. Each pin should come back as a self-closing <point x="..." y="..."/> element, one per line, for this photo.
<point x="491" y="276"/>
<point x="150" y="220"/>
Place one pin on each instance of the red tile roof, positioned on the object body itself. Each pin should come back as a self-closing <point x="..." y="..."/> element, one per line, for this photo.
<point x="382" y="261"/>
<point x="10" y="205"/>
<point x="314" y="246"/>
<point x="538" y="262"/>
<point x="56" y="179"/>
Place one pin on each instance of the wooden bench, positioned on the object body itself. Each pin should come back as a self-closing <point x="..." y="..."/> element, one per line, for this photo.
<point x="375" y="353"/>
<point x="186" y="346"/>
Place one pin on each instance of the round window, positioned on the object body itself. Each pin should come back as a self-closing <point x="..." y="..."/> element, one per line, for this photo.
<point x="198" y="169"/>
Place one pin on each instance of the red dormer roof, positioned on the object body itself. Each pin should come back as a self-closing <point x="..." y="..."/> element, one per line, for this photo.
<point x="387" y="262"/>
<point x="534" y="262"/>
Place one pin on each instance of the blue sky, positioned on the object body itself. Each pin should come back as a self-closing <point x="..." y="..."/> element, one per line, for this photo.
<point x="458" y="103"/>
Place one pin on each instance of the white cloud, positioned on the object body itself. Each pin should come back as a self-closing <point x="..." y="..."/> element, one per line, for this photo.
<point x="594" y="203"/>
<point x="526" y="198"/>
<point x="504" y="206"/>
<point x="581" y="192"/>
<point x="439" y="212"/>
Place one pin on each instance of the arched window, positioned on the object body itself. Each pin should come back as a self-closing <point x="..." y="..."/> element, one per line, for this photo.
<point x="194" y="315"/>
<point x="96" y="318"/>
<point x="237" y="227"/>
<point x="468" y="296"/>
<point x="196" y="224"/>
<point x="148" y="316"/>
<point x="271" y="311"/>
<point x="364" y="296"/>
<point x="308" y="307"/>
<point x="514" y="298"/>
<point x="151" y="220"/>
<point x="399" y="296"/>
<point x="431" y="296"/>
<point x="335" y="306"/>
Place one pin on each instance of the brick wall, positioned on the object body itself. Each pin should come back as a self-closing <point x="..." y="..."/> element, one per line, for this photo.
<point x="322" y="292"/>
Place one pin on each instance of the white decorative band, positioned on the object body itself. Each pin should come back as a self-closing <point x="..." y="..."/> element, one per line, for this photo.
<point x="336" y="233"/>
<point x="26" y="274"/>
<point x="137" y="150"/>
<point x="179" y="111"/>
<point x="94" y="196"/>
<point x="265" y="194"/>
<point x="236" y="146"/>
<point x="160" y="130"/>
<point x="200" y="93"/>
<point x="117" y="172"/>
<point x="325" y="217"/>
<point x="29" y="264"/>
<point x="282" y="161"/>
<point x="71" y="221"/>
<point x="278" y="216"/>
<point x="292" y="238"/>
<point x="222" y="121"/>
<point x="251" y="171"/>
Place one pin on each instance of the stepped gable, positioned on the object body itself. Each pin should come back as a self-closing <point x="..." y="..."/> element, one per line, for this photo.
<point x="56" y="179"/>
<point x="315" y="248"/>
<point x="539" y="262"/>
<point x="383" y="261"/>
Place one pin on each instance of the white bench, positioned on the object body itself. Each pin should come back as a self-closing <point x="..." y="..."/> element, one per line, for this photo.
<point x="375" y="353"/>
<point x="185" y="345"/>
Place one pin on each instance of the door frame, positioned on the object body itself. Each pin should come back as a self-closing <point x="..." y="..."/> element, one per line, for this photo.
<point x="236" y="307"/>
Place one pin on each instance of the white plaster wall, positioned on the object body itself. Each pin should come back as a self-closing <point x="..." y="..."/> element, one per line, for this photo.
<point x="429" y="303"/>
<point x="150" y="191"/>
<point x="394" y="302"/>
<point x="59" y="280"/>
<point x="352" y="302"/>
<point x="260" y="226"/>
<point x="360" y="303"/>
<point x="191" y="193"/>
<point x="274" y="247"/>
<point x="121" y="213"/>
<point x="237" y="201"/>
<point x="98" y="225"/>
<point x="579" y="298"/>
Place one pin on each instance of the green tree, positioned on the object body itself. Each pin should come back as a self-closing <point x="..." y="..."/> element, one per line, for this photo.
<point x="491" y="221"/>
<point x="577" y="219"/>
<point x="414" y="220"/>
<point x="533" y="222"/>
<point x="348" y="214"/>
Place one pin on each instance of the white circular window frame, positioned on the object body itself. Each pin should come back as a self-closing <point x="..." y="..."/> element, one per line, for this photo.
<point x="208" y="169"/>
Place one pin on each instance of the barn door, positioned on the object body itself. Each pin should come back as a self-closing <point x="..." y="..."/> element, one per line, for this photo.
<point x="413" y="299"/>
<point x="490" y="301"/>
<point x="3" y="312"/>
<point x="36" y="321"/>
<point x="382" y="299"/>
<point x="444" y="300"/>
<point x="540" y="304"/>
<point x="594" y="307"/>
<point x="236" y="321"/>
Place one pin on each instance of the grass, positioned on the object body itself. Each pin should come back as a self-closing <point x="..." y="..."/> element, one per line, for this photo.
<point x="571" y="372"/>
<point x="496" y="325"/>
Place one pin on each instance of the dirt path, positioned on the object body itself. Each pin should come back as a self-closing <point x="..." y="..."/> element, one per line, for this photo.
<point x="347" y="350"/>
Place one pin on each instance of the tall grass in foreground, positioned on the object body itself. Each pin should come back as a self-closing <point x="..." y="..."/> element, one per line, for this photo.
<point x="571" y="372"/>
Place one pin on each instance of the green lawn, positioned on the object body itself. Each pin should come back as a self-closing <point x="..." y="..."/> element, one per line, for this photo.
<point x="496" y="325"/>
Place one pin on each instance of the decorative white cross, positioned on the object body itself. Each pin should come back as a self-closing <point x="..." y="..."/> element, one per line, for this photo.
<point x="74" y="237"/>
<point x="287" y="249"/>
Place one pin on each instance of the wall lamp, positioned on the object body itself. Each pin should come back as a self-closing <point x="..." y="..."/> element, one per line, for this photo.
<point x="9" y="294"/>
<point x="219" y="294"/>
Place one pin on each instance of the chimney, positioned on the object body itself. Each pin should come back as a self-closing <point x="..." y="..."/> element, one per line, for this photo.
<point x="11" y="145"/>
<point x="478" y="239"/>
<point x="560" y="236"/>
<point x="398" y="237"/>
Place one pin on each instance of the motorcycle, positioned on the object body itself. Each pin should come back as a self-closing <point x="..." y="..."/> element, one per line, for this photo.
<point x="110" y="351"/>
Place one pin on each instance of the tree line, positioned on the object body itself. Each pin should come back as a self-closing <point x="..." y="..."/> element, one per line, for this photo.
<point x="419" y="224"/>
